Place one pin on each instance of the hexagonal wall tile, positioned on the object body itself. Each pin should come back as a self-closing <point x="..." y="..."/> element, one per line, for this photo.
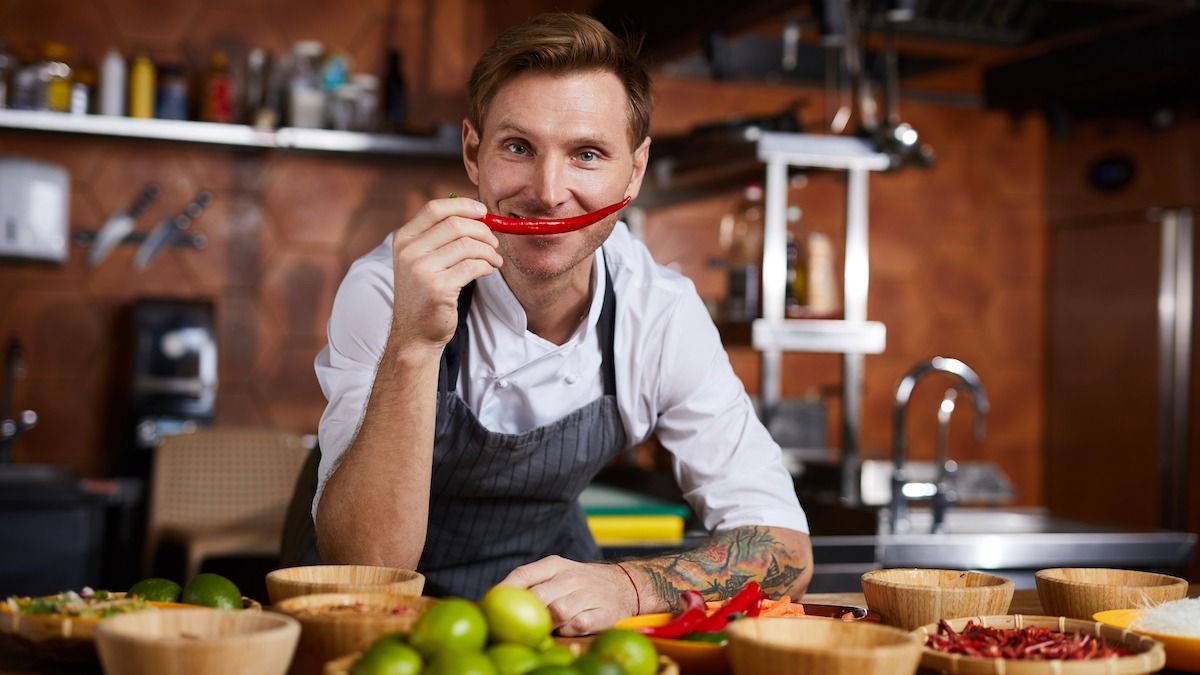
<point x="69" y="430"/>
<point x="232" y="254"/>
<point x="239" y="338"/>
<point x="159" y="26"/>
<point x="61" y="329"/>
<point x="290" y="389"/>
<point x="84" y="27"/>
<point x="232" y="30"/>
<point x="337" y="26"/>
<point x="238" y="405"/>
<point x="223" y="169"/>
<point x="128" y="166"/>
<point x="80" y="157"/>
<point x="298" y="292"/>
<point x="313" y="200"/>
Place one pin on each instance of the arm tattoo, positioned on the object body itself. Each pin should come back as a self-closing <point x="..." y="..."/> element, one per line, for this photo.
<point x="721" y="567"/>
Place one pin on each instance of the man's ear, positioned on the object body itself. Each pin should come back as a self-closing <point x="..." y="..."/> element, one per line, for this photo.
<point x="641" y="157"/>
<point x="470" y="147"/>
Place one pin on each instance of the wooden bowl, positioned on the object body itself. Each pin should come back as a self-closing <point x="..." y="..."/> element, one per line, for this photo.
<point x="802" y="645"/>
<point x="291" y="582"/>
<point x="197" y="642"/>
<point x="1148" y="654"/>
<point x="333" y="624"/>
<point x="1081" y="592"/>
<point x="343" y="664"/>
<point x="908" y="598"/>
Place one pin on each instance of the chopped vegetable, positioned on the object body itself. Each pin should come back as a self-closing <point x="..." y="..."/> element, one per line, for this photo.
<point x="86" y="603"/>
<point x="1029" y="643"/>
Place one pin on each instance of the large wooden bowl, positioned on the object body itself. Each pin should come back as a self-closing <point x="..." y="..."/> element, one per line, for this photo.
<point x="291" y="582"/>
<point x="197" y="642"/>
<point x="333" y="624"/>
<point x="802" y="645"/>
<point x="1081" y="592"/>
<point x="1147" y="657"/>
<point x="909" y="598"/>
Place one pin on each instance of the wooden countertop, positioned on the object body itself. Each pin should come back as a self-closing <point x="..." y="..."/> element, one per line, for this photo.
<point x="11" y="663"/>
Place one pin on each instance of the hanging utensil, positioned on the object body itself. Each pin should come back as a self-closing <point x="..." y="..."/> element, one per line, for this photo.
<point x="119" y="225"/>
<point x="165" y="233"/>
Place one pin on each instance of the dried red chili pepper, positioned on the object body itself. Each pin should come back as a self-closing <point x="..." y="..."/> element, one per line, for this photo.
<point x="749" y="597"/>
<point x="506" y="225"/>
<point x="1029" y="643"/>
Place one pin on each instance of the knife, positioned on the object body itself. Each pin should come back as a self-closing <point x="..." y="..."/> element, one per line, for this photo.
<point x="169" y="229"/>
<point x="119" y="225"/>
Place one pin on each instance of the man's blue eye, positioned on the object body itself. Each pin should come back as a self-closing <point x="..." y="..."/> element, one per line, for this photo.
<point x="516" y="148"/>
<point x="587" y="156"/>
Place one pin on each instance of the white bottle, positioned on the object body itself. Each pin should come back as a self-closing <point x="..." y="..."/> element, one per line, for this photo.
<point x="112" y="84"/>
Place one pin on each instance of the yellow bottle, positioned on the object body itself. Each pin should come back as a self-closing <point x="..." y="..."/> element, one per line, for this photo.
<point x="58" y="77"/>
<point x="141" y="87"/>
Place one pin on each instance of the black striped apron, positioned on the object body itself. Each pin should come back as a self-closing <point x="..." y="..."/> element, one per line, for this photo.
<point x="498" y="500"/>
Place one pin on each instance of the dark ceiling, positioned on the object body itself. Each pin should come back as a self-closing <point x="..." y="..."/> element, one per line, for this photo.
<point x="1081" y="58"/>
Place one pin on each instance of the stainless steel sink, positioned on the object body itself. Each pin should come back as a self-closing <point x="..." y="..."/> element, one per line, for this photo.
<point x="1011" y="542"/>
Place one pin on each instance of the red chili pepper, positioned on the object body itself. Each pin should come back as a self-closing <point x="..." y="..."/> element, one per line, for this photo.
<point x="690" y="616"/>
<point x="750" y="596"/>
<point x="506" y="225"/>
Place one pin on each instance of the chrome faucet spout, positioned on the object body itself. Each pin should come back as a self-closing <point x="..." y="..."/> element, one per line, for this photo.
<point x="969" y="382"/>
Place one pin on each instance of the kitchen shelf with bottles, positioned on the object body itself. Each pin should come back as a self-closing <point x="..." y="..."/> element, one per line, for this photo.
<point x="445" y="143"/>
<point x="852" y="335"/>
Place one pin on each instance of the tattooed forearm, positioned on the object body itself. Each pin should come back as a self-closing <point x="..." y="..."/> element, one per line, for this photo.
<point x="721" y="567"/>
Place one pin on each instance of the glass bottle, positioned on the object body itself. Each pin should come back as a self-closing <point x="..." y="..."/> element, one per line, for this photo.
<point x="54" y="78"/>
<point x="306" y="96"/>
<point x="742" y="232"/>
<point x="217" y="103"/>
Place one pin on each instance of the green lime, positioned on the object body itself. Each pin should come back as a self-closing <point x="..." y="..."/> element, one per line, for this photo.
<point x="388" y="657"/>
<point x="555" y="670"/>
<point x="513" y="659"/>
<point x="556" y="655"/>
<point x="516" y="615"/>
<point x="631" y="649"/>
<point x="590" y="664"/>
<point x="452" y="624"/>
<point x="212" y="590"/>
<point x="452" y="662"/>
<point x="156" y="589"/>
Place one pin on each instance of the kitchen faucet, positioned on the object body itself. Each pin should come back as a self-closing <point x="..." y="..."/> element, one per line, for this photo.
<point x="10" y="427"/>
<point x="943" y="490"/>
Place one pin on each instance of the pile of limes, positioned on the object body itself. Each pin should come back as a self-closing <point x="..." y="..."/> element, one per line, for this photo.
<point x="209" y="590"/>
<point x="505" y="633"/>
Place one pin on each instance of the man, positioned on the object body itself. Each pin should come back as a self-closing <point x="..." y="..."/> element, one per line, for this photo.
<point x="478" y="381"/>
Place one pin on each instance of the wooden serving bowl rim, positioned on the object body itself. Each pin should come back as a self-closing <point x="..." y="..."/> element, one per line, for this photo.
<point x="279" y="624"/>
<point x="1054" y="575"/>
<point x="880" y="578"/>
<point x="902" y="638"/>
<point x="295" y="606"/>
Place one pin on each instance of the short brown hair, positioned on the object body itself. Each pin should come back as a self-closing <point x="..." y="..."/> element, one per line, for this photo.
<point x="561" y="43"/>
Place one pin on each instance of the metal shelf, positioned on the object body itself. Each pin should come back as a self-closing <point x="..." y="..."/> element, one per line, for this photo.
<point x="820" y="335"/>
<point x="446" y="144"/>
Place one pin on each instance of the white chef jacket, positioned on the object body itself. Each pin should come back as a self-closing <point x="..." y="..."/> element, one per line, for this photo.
<point x="673" y="378"/>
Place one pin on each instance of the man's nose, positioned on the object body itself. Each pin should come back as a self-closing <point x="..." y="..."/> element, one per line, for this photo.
<point x="549" y="182"/>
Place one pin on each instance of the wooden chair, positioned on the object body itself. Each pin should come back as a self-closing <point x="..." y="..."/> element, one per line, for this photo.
<point x="220" y="492"/>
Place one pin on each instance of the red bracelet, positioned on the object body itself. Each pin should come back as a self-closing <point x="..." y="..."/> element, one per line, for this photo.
<point x="636" y="594"/>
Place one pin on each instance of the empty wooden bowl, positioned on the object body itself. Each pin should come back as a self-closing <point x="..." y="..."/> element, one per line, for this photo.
<point x="800" y="646"/>
<point x="197" y="642"/>
<point x="334" y="624"/>
<point x="1146" y="655"/>
<point x="291" y="582"/>
<point x="1081" y="592"/>
<point x="909" y="598"/>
